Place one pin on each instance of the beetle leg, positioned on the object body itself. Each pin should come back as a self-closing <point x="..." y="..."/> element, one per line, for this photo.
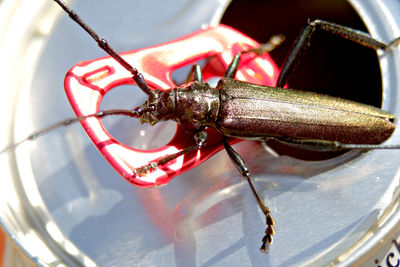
<point x="303" y="42"/>
<point x="364" y="146"/>
<point x="233" y="66"/>
<point x="395" y="42"/>
<point x="274" y="41"/>
<point x="200" y="139"/>
<point x="323" y="145"/>
<point x="197" y="75"/>
<point x="239" y="163"/>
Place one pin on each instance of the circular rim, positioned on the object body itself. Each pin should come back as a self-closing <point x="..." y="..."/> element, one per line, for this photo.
<point x="375" y="15"/>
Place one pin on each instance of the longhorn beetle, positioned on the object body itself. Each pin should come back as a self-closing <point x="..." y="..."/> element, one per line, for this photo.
<point x="248" y="111"/>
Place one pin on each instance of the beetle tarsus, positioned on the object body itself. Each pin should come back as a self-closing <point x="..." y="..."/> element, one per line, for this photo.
<point x="266" y="242"/>
<point x="200" y="139"/>
<point x="269" y="232"/>
<point x="275" y="41"/>
<point x="146" y="169"/>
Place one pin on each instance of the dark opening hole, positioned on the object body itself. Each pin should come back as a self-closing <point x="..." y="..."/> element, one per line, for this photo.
<point x="332" y="66"/>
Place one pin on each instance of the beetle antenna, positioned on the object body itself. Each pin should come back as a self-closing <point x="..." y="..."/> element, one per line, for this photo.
<point x="136" y="113"/>
<point x="103" y="44"/>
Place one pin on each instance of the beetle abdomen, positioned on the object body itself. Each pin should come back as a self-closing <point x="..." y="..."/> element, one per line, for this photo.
<point x="254" y="111"/>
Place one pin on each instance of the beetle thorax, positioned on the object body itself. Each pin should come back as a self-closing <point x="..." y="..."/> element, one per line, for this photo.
<point x="197" y="106"/>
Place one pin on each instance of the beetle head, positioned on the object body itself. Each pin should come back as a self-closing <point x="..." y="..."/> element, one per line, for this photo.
<point x="160" y="106"/>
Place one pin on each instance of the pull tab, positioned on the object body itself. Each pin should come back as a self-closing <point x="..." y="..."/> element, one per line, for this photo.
<point x="88" y="82"/>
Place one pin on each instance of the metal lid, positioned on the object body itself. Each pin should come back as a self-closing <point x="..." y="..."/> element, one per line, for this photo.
<point x="62" y="203"/>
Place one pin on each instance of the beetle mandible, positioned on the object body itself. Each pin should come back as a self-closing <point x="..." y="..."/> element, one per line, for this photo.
<point x="248" y="111"/>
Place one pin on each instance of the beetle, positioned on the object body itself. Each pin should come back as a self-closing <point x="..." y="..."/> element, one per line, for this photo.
<point x="248" y="111"/>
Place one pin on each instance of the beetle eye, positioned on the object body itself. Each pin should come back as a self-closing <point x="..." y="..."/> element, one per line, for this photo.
<point x="151" y="107"/>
